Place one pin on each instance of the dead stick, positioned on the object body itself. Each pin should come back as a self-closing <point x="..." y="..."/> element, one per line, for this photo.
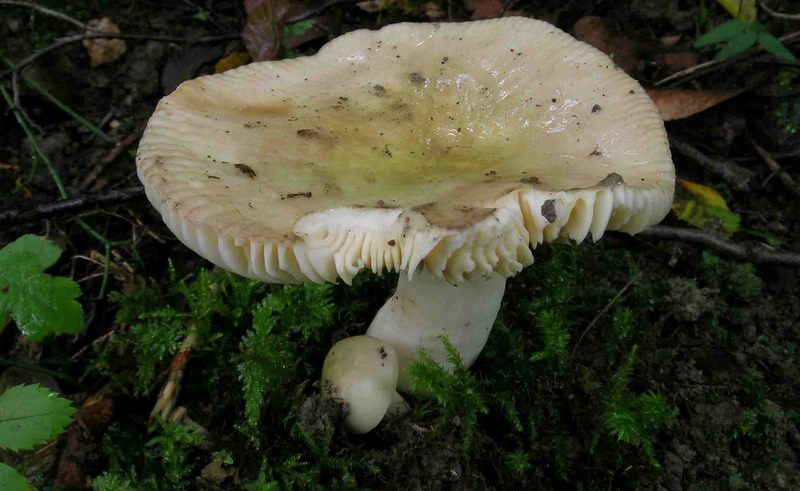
<point x="70" y="205"/>
<point x="112" y="155"/>
<point x="172" y="387"/>
<point x="604" y="310"/>
<point x="61" y="42"/>
<point x="734" y="174"/>
<point x="693" y="71"/>
<point x="775" y="167"/>
<point x="755" y="253"/>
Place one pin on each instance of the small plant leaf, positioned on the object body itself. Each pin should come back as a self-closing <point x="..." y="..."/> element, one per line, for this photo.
<point x="741" y="9"/>
<point x="773" y="45"/>
<point x="737" y="45"/>
<point x="30" y="415"/>
<point x="723" y="32"/>
<point x="702" y="206"/>
<point x="40" y="304"/>
<point x="11" y="480"/>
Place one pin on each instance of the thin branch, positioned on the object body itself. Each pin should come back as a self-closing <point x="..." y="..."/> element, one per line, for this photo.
<point x="64" y="41"/>
<point x="98" y="169"/>
<point x="734" y="174"/>
<point x="48" y="12"/>
<point x="604" y="310"/>
<point x="693" y="71"/>
<point x="755" y="253"/>
<point x="69" y="206"/>
<point x="314" y="11"/>
<point x="778" y="15"/>
<point x="775" y="167"/>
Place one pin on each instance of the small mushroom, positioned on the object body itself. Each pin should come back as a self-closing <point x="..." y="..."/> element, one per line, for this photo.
<point x="362" y="372"/>
<point x="399" y="176"/>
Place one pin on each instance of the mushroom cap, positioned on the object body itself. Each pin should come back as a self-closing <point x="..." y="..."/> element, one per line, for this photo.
<point x="455" y="147"/>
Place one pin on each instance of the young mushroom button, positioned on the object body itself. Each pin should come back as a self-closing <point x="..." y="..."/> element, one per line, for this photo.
<point x="445" y="152"/>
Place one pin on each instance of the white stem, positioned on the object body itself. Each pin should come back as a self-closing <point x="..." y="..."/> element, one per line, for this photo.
<point x="427" y="307"/>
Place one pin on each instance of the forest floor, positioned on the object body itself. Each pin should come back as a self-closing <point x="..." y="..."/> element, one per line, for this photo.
<point x="630" y="363"/>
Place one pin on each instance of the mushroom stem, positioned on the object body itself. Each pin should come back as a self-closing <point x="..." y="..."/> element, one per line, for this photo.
<point x="427" y="307"/>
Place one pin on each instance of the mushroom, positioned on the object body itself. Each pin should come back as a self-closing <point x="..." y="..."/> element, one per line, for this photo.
<point x="445" y="152"/>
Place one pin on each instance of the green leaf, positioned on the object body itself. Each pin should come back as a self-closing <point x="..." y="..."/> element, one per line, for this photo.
<point x="756" y="27"/>
<point x="773" y="45"/>
<point x="298" y="28"/>
<point x="737" y="45"/>
<point x="40" y="304"/>
<point x="11" y="480"/>
<point x="723" y="32"/>
<point x="702" y="206"/>
<point x="31" y="415"/>
<point x="39" y="253"/>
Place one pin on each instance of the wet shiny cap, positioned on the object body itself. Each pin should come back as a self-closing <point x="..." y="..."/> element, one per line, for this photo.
<point x="454" y="147"/>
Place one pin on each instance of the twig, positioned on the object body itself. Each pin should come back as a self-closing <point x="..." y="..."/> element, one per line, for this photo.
<point x="604" y="310"/>
<point x="67" y="206"/>
<point x="755" y="253"/>
<point x="701" y="68"/>
<point x="778" y="15"/>
<point x="314" y="11"/>
<point x="120" y="147"/>
<point x="734" y="174"/>
<point x="64" y="41"/>
<point x="172" y="387"/>
<point x="47" y="11"/>
<point x="775" y="167"/>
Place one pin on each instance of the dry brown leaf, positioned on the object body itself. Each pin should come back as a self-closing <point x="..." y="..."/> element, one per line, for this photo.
<point x="682" y="103"/>
<point x="262" y="33"/>
<point x="104" y="51"/>
<point x="605" y="36"/>
<point x="82" y="438"/>
<point x="485" y="9"/>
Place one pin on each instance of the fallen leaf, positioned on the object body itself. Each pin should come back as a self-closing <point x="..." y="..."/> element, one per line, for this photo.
<point x="104" y="51"/>
<point x="485" y="9"/>
<point x="262" y="33"/>
<point x="702" y="207"/>
<point x="682" y="103"/>
<point x="233" y="60"/>
<point x="605" y="36"/>
<point x="747" y="12"/>
<point x="82" y="438"/>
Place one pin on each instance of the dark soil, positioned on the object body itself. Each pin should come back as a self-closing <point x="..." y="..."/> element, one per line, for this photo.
<point x="717" y="338"/>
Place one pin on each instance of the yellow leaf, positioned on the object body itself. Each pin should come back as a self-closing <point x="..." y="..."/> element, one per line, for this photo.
<point x="702" y="206"/>
<point x="233" y="60"/>
<point x="748" y="12"/>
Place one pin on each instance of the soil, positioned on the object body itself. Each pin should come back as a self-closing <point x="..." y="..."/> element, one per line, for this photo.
<point x="717" y="338"/>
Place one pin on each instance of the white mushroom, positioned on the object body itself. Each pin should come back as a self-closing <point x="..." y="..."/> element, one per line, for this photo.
<point x="445" y="152"/>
